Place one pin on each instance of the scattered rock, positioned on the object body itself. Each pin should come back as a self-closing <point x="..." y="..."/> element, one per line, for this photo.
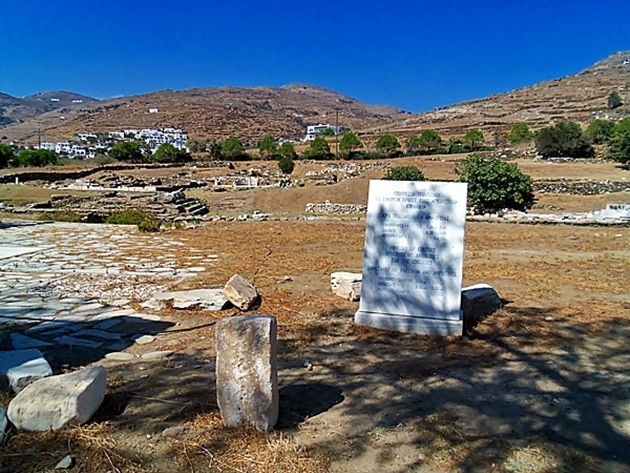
<point x="173" y="431"/>
<point x="119" y="356"/>
<point x="65" y="463"/>
<point x="19" y="368"/>
<point x="206" y="299"/>
<point x="144" y="339"/>
<point x="156" y="355"/>
<point x="479" y="301"/>
<point x="246" y="371"/>
<point x="241" y="293"/>
<point x="58" y="401"/>
<point x="346" y="285"/>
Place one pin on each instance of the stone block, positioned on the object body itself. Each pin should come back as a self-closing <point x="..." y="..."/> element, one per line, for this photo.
<point x="479" y="301"/>
<point x="205" y="299"/>
<point x="58" y="401"/>
<point x="19" y="368"/>
<point x="241" y="293"/>
<point x="346" y="285"/>
<point x="247" y="371"/>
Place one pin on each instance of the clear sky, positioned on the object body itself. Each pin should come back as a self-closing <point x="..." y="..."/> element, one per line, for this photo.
<point x="416" y="55"/>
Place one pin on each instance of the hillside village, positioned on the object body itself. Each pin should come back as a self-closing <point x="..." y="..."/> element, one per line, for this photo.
<point x="86" y="145"/>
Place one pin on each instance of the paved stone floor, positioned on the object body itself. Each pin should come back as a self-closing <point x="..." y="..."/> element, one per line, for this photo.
<point x="73" y="283"/>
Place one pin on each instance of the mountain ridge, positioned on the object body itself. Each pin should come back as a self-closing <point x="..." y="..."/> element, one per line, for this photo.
<point x="250" y="112"/>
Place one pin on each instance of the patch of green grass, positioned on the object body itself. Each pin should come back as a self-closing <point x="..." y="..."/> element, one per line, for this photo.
<point x="59" y="216"/>
<point x="378" y="432"/>
<point x="128" y="217"/>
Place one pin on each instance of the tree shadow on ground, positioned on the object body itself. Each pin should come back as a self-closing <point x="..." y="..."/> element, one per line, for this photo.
<point x="483" y="394"/>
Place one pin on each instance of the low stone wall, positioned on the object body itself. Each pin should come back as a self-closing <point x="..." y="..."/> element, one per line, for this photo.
<point x="564" y="186"/>
<point x="330" y="208"/>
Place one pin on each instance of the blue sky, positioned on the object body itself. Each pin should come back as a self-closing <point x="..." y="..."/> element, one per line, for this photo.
<point x="415" y="55"/>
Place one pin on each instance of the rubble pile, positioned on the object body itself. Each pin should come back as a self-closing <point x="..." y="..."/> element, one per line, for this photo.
<point x="565" y="186"/>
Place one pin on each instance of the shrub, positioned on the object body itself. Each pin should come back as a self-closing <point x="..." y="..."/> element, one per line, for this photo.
<point x="494" y="184"/>
<point x="127" y="217"/>
<point x="59" y="216"/>
<point x="286" y="164"/>
<point x="404" y="173"/>
<point x="149" y="224"/>
<point x="520" y="133"/>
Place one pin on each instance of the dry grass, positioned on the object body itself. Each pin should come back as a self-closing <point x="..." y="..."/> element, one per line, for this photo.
<point x="208" y="446"/>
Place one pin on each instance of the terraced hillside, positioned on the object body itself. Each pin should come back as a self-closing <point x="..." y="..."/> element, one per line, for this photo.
<point x="580" y="97"/>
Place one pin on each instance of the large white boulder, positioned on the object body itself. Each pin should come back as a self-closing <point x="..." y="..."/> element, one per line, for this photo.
<point x="347" y="285"/>
<point x="19" y="368"/>
<point x="58" y="401"/>
<point x="247" y="379"/>
<point x="241" y="293"/>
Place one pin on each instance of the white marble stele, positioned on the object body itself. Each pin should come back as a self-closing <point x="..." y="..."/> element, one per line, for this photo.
<point x="413" y="257"/>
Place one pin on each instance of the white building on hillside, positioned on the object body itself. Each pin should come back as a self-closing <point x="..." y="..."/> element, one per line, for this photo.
<point x="313" y="130"/>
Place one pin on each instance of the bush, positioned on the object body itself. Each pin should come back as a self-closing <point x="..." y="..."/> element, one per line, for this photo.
<point x="128" y="217"/>
<point x="494" y="184"/>
<point x="520" y="133"/>
<point x="619" y="145"/>
<point x="149" y="224"/>
<point x="286" y="164"/>
<point x="59" y="216"/>
<point x="404" y="173"/>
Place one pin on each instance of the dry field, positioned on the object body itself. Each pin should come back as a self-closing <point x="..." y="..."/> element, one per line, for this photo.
<point x="540" y="386"/>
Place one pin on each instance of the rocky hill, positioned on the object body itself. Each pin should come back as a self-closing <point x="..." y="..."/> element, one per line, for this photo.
<point x="14" y="110"/>
<point x="217" y="113"/>
<point x="213" y="113"/>
<point x="580" y="97"/>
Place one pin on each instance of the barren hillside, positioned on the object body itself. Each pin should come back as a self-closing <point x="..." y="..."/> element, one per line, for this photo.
<point x="14" y="110"/>
<point x="580" y="97"/>
<point x="215" y="113"/>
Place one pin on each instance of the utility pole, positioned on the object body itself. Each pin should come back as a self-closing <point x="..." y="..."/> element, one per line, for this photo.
<point x="39" y="138"/>
<point x="625" y="101"/>
<point x="337" y="132"/>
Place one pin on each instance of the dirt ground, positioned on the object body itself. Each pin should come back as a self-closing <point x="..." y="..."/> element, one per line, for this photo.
<point x="540" y="386"/>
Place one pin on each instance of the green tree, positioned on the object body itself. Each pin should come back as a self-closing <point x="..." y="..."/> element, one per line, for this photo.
<point x="36" y="157"/>
<point x="429" y="141"/>
<point x="267" y="147"/>
<point x="318" y="149"/>
<point x="233" y="150"/>
<point x="286" y="164"/>
<point x="474" y="138"/>
<point x="599" y="131"/>
<point x="167" y="153"/>
<point x="127" y="151"/>
<point x="286" y="149"/>
<point x="619" y="144"/>
<point x="327" y="132"/>
<point x="215" y="150"/>
<point x="387" y="144"/>
<point x="349" y="142"/>
<point x="565" y="139"/>
<point x="520" y="133"/>
<point x="197" y="146"/>
<point x="6" y="155"/>
<point x="404" y="173"/>
<point x="494" y="184"/>
<point x="614" y="100"/>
